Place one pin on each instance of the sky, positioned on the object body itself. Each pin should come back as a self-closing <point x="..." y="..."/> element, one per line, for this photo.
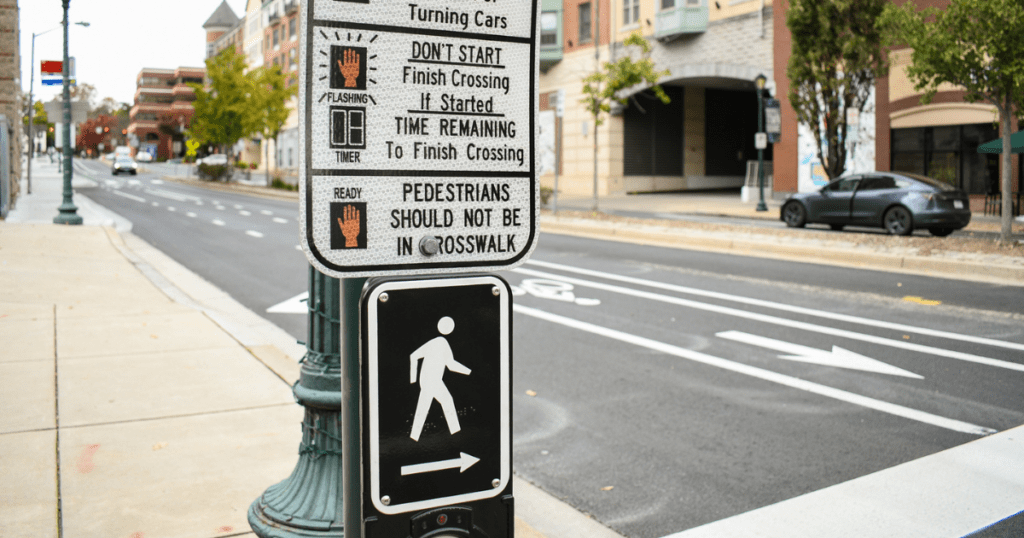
<point x="123" y="37"/>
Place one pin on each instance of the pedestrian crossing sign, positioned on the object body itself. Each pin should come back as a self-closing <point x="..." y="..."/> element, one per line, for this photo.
<point x="436" y="402"/>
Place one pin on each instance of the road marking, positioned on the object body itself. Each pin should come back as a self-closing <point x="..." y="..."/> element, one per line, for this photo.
<point x="921" y="300"/>
<point x="783" y="321"/>
<point x="463" y="462"/>
<point x="156" y="204"/>
<point x="767" y="375"/>
<point x="220" y="207"/>
<point x="298" y="247"/>
<point x="252" y="233"/>
<point x="551" y="289"/>
<point x="781" y="306"/>
<point x="169" y="195"/>
<point x="837" y="357"/>
<point x="295" y="305"/>
<point x="238" y="206"/>
<point x="156" y="182"/>
<point x="265" y="212"/>
<point x="279" y="220"/>
<point x="191" y="214"/>
<point x="129" y="196"/>
<point x="171" y="208"/>
<point x="218" y="222"/>
<point x="244" y="213"/>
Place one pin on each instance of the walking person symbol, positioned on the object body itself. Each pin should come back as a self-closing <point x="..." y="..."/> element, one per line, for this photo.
<point x="437" y="357"/>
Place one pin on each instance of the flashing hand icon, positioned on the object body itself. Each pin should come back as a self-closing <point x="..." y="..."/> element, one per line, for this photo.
<point x="349" y="224"/>
<point x="349" y="67"/>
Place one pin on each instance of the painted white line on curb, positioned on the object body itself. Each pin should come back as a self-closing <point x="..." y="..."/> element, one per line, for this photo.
<point x="767" y="375"/>
<point x="254" y="234"/>
<point x="781" y="321"/>
<point x="129" y="196"/>
<point x="781" y="306"/>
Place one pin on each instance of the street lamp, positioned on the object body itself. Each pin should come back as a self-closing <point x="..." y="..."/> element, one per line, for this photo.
<point x="759" y="83"/>
<point x="31" y="103"/>
<point x="68" y="213"/>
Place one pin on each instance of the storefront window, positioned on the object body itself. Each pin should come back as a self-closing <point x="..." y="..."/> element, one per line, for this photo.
<point x="948" y="154"/>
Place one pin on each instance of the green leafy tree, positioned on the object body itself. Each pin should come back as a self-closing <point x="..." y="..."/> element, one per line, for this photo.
<point x="975" y="44"/>
<point x="226" y="111"/>
<point x="273" y="93"/>
<point x="837" y="55"/>
<point x="608" y="84"/>
<point x="40" y="121"/>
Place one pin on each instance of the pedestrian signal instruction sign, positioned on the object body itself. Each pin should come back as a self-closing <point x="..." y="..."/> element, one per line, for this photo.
<point x="436" y="400"/>
<point x="417" y="126"/>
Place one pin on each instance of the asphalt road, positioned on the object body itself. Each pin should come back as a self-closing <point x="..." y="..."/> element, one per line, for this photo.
<point x="661" y="389"/>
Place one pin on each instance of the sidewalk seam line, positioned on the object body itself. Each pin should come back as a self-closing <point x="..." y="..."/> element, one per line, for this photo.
<point x="186" y="415"/>
<point x="56" y="423"/>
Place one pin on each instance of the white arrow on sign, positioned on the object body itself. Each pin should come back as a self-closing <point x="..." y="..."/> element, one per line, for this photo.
<point x="838" y="357"/>
<point x="463" y="462"/>
<point x="295" y="305"/>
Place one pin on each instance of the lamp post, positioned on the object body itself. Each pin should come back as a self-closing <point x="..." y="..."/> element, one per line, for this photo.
<point x="759" y="83"/>
<point x="31" y="103"/>
<point x="68" y="213"/>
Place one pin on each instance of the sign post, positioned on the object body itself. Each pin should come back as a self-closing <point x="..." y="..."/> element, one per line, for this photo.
<point x="417" y="161"/>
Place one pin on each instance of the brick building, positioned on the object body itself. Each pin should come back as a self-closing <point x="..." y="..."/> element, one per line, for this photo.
<point x="163" y="108"/>
<point x="703" y="139"/>
<point x="223" y="29"/>
<point x="10" y="89"/>
<point x="281" y="47"/>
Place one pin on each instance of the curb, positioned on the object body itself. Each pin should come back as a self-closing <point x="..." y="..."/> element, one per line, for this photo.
<point x="818" y="254"/>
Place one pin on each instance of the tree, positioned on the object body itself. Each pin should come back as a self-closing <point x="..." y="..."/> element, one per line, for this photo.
<point x="273" y="93"/>
<point x="975" y="44"/>
<point x="227" y="110"/>
<point x="606" y="85"/>
<point x="837" y="54"/>
<point x="88" y="139"/>
<point x="40" y="121"/>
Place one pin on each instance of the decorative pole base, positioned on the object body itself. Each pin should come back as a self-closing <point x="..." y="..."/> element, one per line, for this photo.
<point x="67" y="215"/>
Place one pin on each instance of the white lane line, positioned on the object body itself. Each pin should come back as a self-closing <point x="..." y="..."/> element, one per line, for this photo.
<point x="780" y="306"/>
<point x="129" y="196"/>
<point x="169" y="195"/>
<point x="220" y="207"/>
<point x="279" y="220"/>
<point x="252" y="233"/>
<point x="238" y="206"/>
<point x="265" y="212"/>
<point x="191" y="214"/>
<point x="171" y="208"/>
<point x="298" y="247"/>
<point x="781" y="321"/>
<point x="218" y="222"/>
<point x="156" y="182"/>
<point x="156" y="204"/>
<point x="792" y="382"/>
<point x="244" y="213"/>
<point x="199" y="202"/>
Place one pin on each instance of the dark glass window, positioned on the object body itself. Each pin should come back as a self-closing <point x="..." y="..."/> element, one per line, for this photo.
<point x="585" y="26"/>
<point x="653" y="135"/>
<point x="291" y="28"/>
<point x="549" y="28"/>
<point x="843" y="185"/>
<point x="876" y="183"/>
<point x="276" y="36"/>
<point x="948" y="154"/>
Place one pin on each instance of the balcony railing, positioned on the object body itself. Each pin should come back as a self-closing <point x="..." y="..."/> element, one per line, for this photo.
<point x="685" y="19"/>
<point x="291" y="7"/>
<point x="273" y="18"/>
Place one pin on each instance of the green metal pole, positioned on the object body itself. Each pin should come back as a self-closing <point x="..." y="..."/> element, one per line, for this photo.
<point x="310" y="502"/>
<point x="351" y="395"/>
<point x="68" y="213"/>
<point x="760" y="153"/>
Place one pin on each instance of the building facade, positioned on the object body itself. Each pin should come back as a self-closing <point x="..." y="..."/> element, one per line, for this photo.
<point x="281" y="48"/>
<point x="897" y="132"/>
<point x="224" y="29"/>
<point x="702" y="139"/>
<point x="10" y="90"/>
<point x="163" y="108"/>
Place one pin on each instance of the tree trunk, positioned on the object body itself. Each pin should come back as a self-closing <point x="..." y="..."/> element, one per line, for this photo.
<point x="1006" y="219"/>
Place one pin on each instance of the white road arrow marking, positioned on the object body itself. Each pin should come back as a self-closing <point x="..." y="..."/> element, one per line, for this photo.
<point x="295" y="305"/>
<point x="838" y="357"/>
<point x="463" y="462"/>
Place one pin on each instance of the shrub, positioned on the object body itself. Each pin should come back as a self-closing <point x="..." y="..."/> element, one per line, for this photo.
<point x="545" y="195"/>
<point x="252" y="166"/>
<point x="241" y="165"/>
<point x="278" y="184"/>
<point x="212" y="171"/>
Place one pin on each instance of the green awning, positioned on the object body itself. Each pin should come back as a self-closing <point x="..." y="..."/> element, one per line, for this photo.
<point x="996" y="146"/>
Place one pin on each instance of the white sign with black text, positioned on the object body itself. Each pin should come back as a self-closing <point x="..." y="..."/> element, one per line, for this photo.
<point x="419" y="123"/>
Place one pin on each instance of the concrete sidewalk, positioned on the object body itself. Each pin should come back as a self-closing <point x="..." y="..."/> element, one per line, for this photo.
<point x="138" y="400"/>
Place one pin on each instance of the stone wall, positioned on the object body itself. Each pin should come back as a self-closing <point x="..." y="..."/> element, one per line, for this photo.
<point x="10" y="86"/>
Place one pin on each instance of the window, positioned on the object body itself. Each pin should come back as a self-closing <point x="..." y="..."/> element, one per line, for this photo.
<point x="277" y="36"/>
<point x="843" y="185"/>
<point x="291" y="28"/>
<point x="549" y="28"/>
<point x="293" y="53"/>
<point x="584" y="18"/>
<point x="630" y="12"/>
<point x="668" y="4"/>
<point x="877" y="183"/>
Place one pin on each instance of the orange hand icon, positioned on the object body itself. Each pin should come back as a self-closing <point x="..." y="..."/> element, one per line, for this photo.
<point x="349" y="224"/>
<point x="349" y="67"/>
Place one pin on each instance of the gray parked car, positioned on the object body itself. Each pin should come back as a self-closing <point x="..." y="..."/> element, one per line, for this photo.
<point x="899" y="202"/>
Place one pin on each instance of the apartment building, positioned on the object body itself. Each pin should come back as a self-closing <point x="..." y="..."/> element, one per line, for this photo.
<point x="281" y="48"/>
<point x="163" y="107"/>
<point x="223" y="29"/>
<point x="703" y="139"/>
